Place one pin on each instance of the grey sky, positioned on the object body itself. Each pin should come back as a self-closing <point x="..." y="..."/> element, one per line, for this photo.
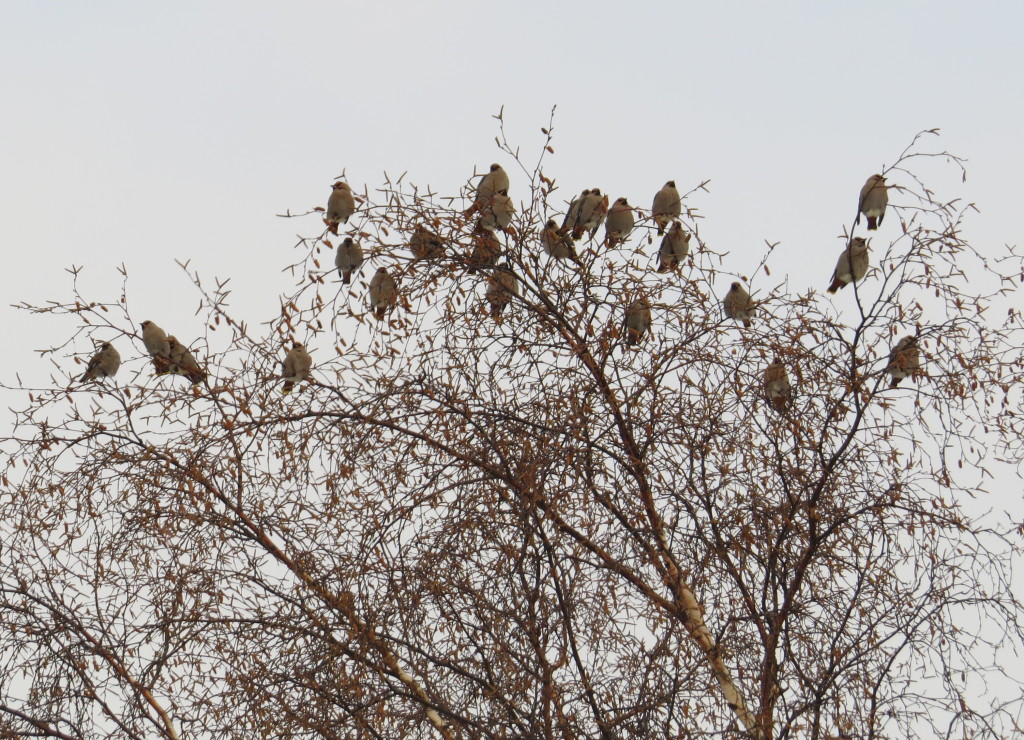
<point x="140" y="133"/>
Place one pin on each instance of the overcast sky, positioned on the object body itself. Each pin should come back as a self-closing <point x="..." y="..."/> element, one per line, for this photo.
<point x="139" y="133"/>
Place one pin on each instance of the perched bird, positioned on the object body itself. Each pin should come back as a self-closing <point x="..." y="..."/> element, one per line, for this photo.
<point x="348" y="259"/>
<point x="183" y="362"/>
<point x="104" y="363"/>
<point x="638" y="320"/>
<point x="490" y="184"/>
<point x="556" y="242"/>
<point x="157" y="345"/>
<point x="675" y="246"/>
<point x="497" y="212"/>
<point x="667" y="206"/>
<point x="502" y="286"/>
<point x="295" y="366"/>
<point x="619" y="223"/>
<point x="777" y="388"/>
<point x="425" y="244"/>
<point x="904" y="360"/>
<point x="340" y="206"/>
<point x="851" y="266"/>
<point x="874" y="197"/>
<point x="593" y="207"/>
<point x="569" y="222"/>
<point x="738" y="305"/>
<point x="383" y="292"/>
<point x="486" y="249"/>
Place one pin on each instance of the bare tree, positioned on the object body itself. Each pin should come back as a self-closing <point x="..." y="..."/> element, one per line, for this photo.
<point x="530" y="522"/>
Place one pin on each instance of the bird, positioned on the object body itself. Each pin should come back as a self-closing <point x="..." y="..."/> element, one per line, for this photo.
<point x="556" y="242"/>
<point x="569" y="222"/>
<point x="619" y="222"/>
<point x="777" y="388"/>
<point x="340" y="206"/>
<point x="738" y="305"/>
<point x="183" y="362"/>
<point x="502" y="286"/>
<point x="157" y="345"/>
<point x="874" y="197"/>
<point x="593" y="207"/>
<point x="904" y="360"/>
<point x="348" y="259"/>
<point x="496" y="213"/>
<point x="486" y="249"/>
<point x="638" y="320"/>
<point x="851" y="266"/>
<point x="490" y="184"/>
<point x="675" y="246"/>
<point x="104" y="363"/>
<point x="295" y="366"/>
<point x="425" y="244"/>
<point x="667" y="206"/>
<point x="383" y="292"/>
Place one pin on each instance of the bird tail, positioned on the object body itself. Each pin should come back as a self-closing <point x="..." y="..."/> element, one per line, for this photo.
<point x="287" y="387"/>
<point x="872" y="223"/>
<point x="895" y="382"/>
<point x="747" y="323"/>
<point x="346" y="276"/>
<point x="161" y="364"/>
<point x="836" y="285"/>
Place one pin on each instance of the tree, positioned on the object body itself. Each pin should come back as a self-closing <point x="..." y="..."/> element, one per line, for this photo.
<point x="534" y="524"/>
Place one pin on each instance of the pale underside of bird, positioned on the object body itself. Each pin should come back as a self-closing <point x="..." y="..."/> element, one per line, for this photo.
<point x="874" y="197"/>
<point x="159" y="348"/>
<point x="383" y="292"/>
<point x="618" y="225"/>
<point x="777" y="388"/>
<point x="667" y="206"/>
<point x="502" y="287"/>
<point x="556" y="241"/>
<point x="348" y="259"/>
<point x="340" y="206"/>
<point x="738" y="305"/>
<point x="904" y="360"/>
<point x="295" y="367"/>
<point x="184" y="363"/>
<point x="425" y="244"/>
<point x="496" y="213"/>
<point x="638" y="320"/>
<point x="495" y="181"/>
<point x="103" y="364"/>
<point x="851" y="266"/>
<point x="675" y="246"/>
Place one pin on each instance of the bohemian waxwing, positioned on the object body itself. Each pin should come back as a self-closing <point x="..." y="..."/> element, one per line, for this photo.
<point x="425" y="244"/>
<point x="569" y="222"/>
<point x="295" y="366"/>
<point x="496" y="213"/>
<point x="738" y="305"/>
<point x="502" y="286"/>
<point x="383" y="292"/>
<point x="593" y="207"/>
<point x="490" y="184"/>
<point x="667" y="206"/>
<point x="486" y="249"/>
<point x="619" y="223"/>
<point x="638" y="320"/>
<point x="851" y="266"/>
<point x="184" y="363"/>
<point x="874" y="197"/>
<point x="348" y="259"/>
<point x="556" y="242"/>
<point x="675" y="246"/>
<point x="104" y="363"/>
<point x="904" y="360"/>
<point x="340" y="206"/>
<point x="157" y="345"/>
<point x="777" y="388"/>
